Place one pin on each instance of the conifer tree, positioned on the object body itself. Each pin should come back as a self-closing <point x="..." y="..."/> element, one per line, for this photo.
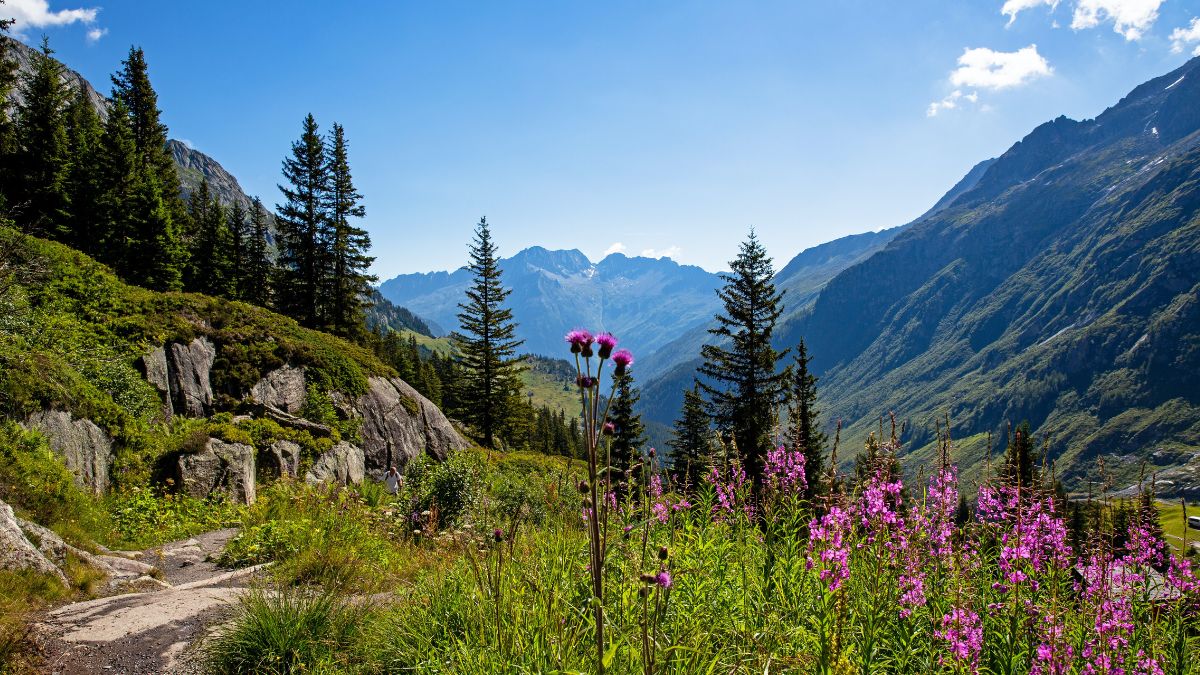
<point x="486" y="344"/>
<point x="349" y="284"/>
<point x="44" y="156"/>
<point x="804" y="431"/>
<point x="209" y="269"/>
<point x="8" y="131"/>
<point x="259" y="274"/>
<point x="239" y="242"/>
<point x="691" y="446"/>
<point x="156" y="254"/>
<point x="628" y="433"/>
<point x="746" y="388"/>
<point x="84" y="182"/>
<point x="118" y="172"/>
<point x="1020" y="458"/>
<point x="301" y="222"/>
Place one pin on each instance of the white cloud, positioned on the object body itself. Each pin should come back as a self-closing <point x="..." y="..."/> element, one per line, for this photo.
<point x="94" y="34"/>
<point x="951" y="102"/>
<point x="1013" y="7"/>
<point x="987" y="69"/>
<point x="617" y="247"/>
<point x="1130" y="18"/>
<point x="669" y="252"/>
<point x="37" y="14"/>
<point x="1181" y="38"/>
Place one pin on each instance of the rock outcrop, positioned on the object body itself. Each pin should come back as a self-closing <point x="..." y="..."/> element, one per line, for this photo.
<point x="343" y="465"/>
<point x="281" y="459"/>
<point x="399" y="424"/>
<point x="17" y="552"/>
<point x="219" y="467"/>
<point x="180" y="373"/>
<point x="120" y="571"/>
<point x="282" y="388"/>
<point x="85" y="448"/>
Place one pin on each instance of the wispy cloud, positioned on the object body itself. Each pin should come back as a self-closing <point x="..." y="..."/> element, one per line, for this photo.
<point x="617" y="247"/>
<point x="1130" y="18"/>
<point x="669" y="252"/>
<point x="37" y="14"/>
<point x="1012" y="8"/>
<point x="1182" y="38"/>
<point x="956" y="98"/>
<point x="988" y="69"/>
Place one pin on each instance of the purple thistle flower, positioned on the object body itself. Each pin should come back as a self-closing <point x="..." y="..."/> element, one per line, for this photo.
<point x="663" y="579"/>
<point x="579" y="339"/>
<point x="606" y="341"/>
<point x="623" y="358"/>
<point x="609" y="429"/>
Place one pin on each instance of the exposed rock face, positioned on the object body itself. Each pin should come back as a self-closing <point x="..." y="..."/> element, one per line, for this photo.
<point x="281" y="459"/>
<point x="283" y="388"/>
<point x="180" y="373"/>
<point x="221" y="466"/>
<point x="121" y="571"/>
<point x="343" y="464"/>
<point x="85" y="448"/>
<point x="399" y="424"/>
<point x="17" y="552"/>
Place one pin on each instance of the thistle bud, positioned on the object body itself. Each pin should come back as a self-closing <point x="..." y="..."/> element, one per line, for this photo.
<point x="649" y="578"/>
<point x="498" y="534"/>
<point x="583" y="487"/>
<point x="662" y="553"/>
<point x="609" y="429"/>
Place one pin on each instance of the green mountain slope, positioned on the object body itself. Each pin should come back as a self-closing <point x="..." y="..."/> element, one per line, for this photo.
<point x="1063" y="289"/>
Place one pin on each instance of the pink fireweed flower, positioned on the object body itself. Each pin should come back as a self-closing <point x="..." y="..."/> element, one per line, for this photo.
<point x="963" y="633"/>
<point x="579" y="339"/>
<point x="942" y="503"/>
<point x="728" y="491"/>
<point x="622" y="359"/>
<point x="785" y="470"/>
<point x="828" y="540"/>
<point x="606" y="342"/>
<point x="878" y="506"/>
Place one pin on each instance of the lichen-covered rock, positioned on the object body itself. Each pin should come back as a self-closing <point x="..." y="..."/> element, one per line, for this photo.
<point x="281" y="459"/>
<point x="282" y="388"/>
<point x="188" y="369"/>
<point x="219" y="467"/>
<point x="399" y="424"/>
<point x="17" y="552"/>
<point x="343" y="465"/>
<point x="85" y="448"/>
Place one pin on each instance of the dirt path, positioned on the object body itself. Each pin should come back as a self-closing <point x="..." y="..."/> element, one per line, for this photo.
<point x="148" y="632"/>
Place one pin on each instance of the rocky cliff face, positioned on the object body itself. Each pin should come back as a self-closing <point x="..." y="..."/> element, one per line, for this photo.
<point x="85" y="448"/>
<point x="399" y="424"/>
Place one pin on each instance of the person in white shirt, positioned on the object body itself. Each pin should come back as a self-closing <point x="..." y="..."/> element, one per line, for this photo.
<point x="393" y="479"/>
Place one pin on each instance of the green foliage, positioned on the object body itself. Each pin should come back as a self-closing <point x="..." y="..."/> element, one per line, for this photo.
<point x="291" y="631"/>
<point x="144" y="517"/>
<point x="449" y="489"/>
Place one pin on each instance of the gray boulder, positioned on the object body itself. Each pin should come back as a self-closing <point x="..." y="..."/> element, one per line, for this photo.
<point x="219" y="467"/>
<point x="17" y="552"/>
<point x="281" y="459"/>
<point x="85" y="448"/>
<point x="343" y="465"/>
<point x="180" y="373"/>
<point x="399" y="424"/>
<point x="282" y="388"/>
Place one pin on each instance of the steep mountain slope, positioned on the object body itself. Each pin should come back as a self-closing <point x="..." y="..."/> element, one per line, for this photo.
<point x="644" y="301"/>
<point x="1062" y="288"/>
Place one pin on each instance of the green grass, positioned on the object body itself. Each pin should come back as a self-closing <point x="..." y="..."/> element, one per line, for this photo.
<point x="1173" y="524"/>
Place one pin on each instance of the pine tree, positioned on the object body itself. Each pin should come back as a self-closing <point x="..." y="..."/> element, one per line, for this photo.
<point x="804" y="431"/>
<point x="746" y="388"/>
<point x="691" y="445"/>
<point x="8" y="130"/>
<point x="486" y="344"/>
<point x="239" y="243"/>
<point x="44" y="156"/>
<point x="259" y="273"/>
<point x="156" y="254"/>
<point x="118" y="171"/>
<point x="84" y="182"/>
<point x="209" y="268"/>
<point x="1020" y="458"/>
<point x="349" y="284"/>
<point x="628" y="434"/>
<point x="301" y="222"/>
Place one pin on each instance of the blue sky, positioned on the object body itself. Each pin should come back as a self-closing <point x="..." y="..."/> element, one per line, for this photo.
<point x="659" y="127"/>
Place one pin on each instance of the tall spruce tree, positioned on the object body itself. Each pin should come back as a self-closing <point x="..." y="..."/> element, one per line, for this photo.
<point x="209" y="265"/>
<point x="239" y="243"/>
<point x="260" y="272"/>
<point x="804" y="425"/>
<point x="628" y="434"/>
<point x="486" y="345"/>
<point x="1020" y="458"/>
<point x="349" y="284"/>
<point x="691" y="445"/>
<point x="157" y="255"/>
<point x="746" y="387"/>
<point x="44" y="154"/>
<point x="115" y="230"/>
<point x="84" y="133"/>
<point x="8" y="129"/>
<point x="301" y="221"/>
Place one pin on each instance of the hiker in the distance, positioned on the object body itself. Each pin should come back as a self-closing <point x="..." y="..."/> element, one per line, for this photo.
<point x="393" y="479"/>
